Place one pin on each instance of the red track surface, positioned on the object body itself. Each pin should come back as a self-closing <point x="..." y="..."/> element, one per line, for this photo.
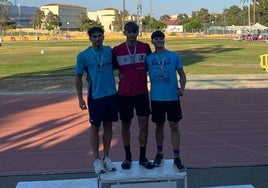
<point x="48" y="133"/>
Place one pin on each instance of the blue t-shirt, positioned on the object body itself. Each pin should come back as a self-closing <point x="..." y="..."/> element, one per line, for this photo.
<point x="98" y="65"/>
<point x="162" y="68"/>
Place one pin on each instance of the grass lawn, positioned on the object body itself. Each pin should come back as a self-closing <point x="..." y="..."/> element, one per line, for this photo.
<point x="200" y="56"/>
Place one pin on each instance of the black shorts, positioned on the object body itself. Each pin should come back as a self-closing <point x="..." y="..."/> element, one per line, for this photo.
<point x="103" y="109"/>
<point x="127" y="104"/>
<point x="161" y="108"/>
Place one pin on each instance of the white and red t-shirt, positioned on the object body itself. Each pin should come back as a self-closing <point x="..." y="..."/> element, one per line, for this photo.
<point x="130" y="60"/>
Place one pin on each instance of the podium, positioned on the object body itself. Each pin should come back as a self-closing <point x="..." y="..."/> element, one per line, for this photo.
<point x="138" y="176"/>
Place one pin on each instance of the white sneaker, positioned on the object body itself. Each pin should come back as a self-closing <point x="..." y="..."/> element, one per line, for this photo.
<point x="98" y="166"/>
<point x="108" y="164"/>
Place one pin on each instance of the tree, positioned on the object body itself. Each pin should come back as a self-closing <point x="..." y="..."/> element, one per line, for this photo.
<point x="38" y="18"/>
<point x="183" y="18"/>
<point x="193" y="25"/>
<point x="82" y="18"/>
<point x="233" y="16"/>
<point x="85" y="23"/>
<point x="254" y="3"/>
<point x="5" y="6"/>
<point x="165" y="17"/>
<point x="151" y="23"/>
<point x="203" y="17"/>
<point x="262" y="13"/>
<point x="52" y="21"/>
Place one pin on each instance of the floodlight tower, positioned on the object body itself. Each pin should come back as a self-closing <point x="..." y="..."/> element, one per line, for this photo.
<point x="151" y="12"/>
<point x="151" y="8"/>
<point x="123" y="14"/>
<point x="139" y="14"/>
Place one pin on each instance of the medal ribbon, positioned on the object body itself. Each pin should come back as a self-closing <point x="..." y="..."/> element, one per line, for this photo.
<point x="98" y="59"/>
<point x="132" y="56"/>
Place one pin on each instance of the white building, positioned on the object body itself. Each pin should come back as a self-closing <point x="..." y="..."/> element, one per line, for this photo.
<point x="107" y="17"/>
<point x="68" y="14"/>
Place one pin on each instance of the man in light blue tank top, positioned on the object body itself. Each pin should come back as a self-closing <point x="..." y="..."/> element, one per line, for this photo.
<point x="96" y="62"/>
<point x="163" y="66"/>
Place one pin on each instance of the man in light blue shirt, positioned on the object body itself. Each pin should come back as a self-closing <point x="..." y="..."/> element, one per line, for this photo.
<point x="163" y="66"/>
<point x="96" y="61"/>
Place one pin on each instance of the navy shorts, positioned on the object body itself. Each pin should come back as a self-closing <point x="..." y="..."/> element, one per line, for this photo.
<point x="162" y="108"/>
<point x="139" y="103"/>
<point x="103" y="109"/>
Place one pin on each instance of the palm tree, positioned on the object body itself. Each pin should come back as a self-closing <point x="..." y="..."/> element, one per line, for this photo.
<point x="254" y="7"/>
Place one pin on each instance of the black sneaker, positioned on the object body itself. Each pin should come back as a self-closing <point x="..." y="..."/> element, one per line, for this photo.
<point x="178" y="165"/>
<point x="146" y="164"/>
<point x="159" y="159"/>
<point x="126" y="164"/>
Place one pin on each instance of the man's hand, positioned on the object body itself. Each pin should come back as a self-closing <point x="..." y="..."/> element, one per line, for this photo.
<point x="180" y="92"/>
<point x="82" y="105"/>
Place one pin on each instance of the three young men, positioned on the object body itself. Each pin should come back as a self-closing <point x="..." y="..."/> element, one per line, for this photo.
<point x="133" y="58"/>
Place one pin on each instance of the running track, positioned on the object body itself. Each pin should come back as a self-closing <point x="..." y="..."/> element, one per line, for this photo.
<point x="48" y="133"/>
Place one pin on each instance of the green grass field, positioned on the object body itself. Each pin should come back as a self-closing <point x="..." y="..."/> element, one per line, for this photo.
<point x="200" y="56"/>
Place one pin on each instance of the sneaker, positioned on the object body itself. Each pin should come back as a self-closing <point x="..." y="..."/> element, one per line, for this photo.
<point x="159" y="159"/>
<point x="98" y="166"/>
<point x="108" y="164"/>
<point x="126" y="164"/>
<point x="178" y="165"/>
<point x="146" y="164"/>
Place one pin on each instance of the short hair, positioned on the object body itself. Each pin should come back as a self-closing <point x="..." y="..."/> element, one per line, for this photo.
<point x="95" y="29"/>
<point x="157" y="33"/>
<point x="131" y="26"/>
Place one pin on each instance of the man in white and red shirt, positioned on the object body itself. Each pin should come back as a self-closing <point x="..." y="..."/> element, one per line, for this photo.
<point x="129" y="58"/>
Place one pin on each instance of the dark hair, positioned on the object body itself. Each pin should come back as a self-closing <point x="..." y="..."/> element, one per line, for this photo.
<point x="131" y="26"/>
<point x="157" y="33"/>
<point x="95" y="29"/>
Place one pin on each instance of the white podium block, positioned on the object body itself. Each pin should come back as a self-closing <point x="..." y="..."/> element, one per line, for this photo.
<point x="138" y="175"/>
<point x="233" y="186"/>
<point x="72" y="183"/>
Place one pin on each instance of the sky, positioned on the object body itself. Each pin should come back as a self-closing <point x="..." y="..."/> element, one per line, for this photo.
<point x="158" y="7"/>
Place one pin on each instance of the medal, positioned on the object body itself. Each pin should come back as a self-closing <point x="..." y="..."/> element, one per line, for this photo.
<point x="132" y="56"/>
<point x="162" y="63"/>
<point x="99" y="60"/>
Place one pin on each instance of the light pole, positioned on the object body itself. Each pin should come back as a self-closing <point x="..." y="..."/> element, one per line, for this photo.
<point x="67" y="34"/>
<point x="123" y="16"/>
<point x="68" y="26"/>
<point x="249" y="14"/>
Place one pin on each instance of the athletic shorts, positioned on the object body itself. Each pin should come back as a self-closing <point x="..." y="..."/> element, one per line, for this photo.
<point x="103" y="109"/>
<point x="162" y="108"/>
<point x="139" y="103"/>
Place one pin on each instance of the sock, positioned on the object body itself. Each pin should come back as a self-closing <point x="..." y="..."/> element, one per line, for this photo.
<point x="142" y="153"/>
<point x="176" y="152"/>
<point x="127" y="152"/>
<point x="160" y="149"/>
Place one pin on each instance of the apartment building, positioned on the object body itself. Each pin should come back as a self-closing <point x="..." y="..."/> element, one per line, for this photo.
<point x="67" y="13"/>
<point x="22" y="16"/>
<point x="108" y="17"/>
